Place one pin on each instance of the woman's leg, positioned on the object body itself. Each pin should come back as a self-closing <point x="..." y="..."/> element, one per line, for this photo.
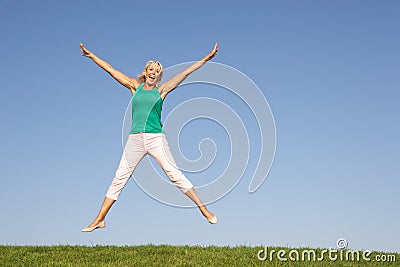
<point x="192" y="194"/>
<point x="133" y="153"/>
<point x="99" y="221"/>
<point x="162" y="153"/>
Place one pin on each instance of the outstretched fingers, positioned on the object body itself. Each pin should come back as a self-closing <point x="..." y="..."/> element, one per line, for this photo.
<point x="84" y="51"/>
<point x="214" y="51"/>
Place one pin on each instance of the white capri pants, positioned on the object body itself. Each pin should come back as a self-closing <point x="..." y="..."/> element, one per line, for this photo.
<point x="136" y="147"/>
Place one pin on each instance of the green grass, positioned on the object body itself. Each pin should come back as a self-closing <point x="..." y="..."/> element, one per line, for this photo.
<point x="165" y="255"/>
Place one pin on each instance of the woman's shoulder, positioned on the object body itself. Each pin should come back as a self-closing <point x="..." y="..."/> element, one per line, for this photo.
<point x="140" y="86"/>
<point x="161" y="89"/>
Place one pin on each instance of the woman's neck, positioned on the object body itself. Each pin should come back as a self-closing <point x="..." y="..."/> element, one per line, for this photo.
<point x="146" y="86"/>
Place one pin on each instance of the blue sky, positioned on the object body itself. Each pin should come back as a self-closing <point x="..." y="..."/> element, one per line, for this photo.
<point x="330" y="73"/>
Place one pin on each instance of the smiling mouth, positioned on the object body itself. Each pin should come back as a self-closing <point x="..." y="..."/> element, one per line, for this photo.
<point x="152" y="77"/>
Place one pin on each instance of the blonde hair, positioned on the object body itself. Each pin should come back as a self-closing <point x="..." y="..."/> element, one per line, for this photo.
<point x="142" y="77"/>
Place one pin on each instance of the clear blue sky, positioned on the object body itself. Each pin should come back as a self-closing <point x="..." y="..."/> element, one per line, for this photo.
<point x="329" y="70"/>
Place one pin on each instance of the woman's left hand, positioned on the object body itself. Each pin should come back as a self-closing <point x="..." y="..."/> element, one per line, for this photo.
<point x="213" y="52"/>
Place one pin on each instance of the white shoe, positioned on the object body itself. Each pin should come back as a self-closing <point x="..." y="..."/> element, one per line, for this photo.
<point x="90" y="229"/>
<point x="213" y="220"/>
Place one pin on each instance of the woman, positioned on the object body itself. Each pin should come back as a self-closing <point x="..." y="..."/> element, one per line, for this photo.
<point x="146" y="135"/>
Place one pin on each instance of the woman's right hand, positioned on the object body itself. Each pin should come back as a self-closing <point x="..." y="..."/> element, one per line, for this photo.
<point x="85" y="52"/>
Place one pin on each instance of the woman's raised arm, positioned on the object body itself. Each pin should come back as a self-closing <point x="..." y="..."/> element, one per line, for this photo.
<point x="128" y="82"/>
<point x="170" y="85"/>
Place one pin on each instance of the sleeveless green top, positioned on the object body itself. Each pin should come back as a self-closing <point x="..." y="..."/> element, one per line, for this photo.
<point x="146" y="111"/>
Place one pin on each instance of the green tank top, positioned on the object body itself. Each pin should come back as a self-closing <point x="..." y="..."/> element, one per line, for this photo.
<point x="146" y="111"/>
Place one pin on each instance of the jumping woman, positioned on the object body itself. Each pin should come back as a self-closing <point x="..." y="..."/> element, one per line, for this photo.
<point x="146" y="135"/>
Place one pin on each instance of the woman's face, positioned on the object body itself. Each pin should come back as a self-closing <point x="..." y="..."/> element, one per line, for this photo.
<point x="153" y="74"/>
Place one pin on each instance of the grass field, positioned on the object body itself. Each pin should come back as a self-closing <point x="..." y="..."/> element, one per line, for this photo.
<point x="165" y="255"/>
